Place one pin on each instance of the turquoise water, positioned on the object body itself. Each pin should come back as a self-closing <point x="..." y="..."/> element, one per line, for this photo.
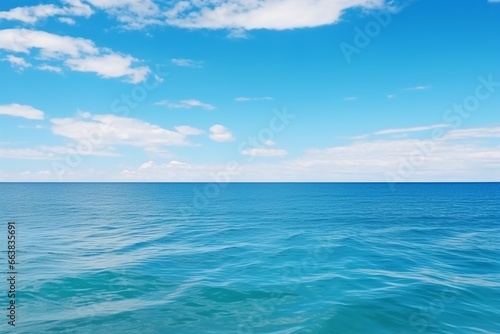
<point x="254" y="258"/>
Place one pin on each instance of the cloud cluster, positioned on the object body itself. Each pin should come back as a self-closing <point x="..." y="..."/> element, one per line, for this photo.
<point x="33" y="14"/>
<point x="77" y="54"/>
<point x="236" y="15"/>
<point x="261" y="14"/>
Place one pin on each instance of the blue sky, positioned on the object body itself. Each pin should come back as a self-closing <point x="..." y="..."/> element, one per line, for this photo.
<point x="233" y="90"/>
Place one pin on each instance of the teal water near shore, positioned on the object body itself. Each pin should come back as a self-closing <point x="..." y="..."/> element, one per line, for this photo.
<point x="253" y="258"/>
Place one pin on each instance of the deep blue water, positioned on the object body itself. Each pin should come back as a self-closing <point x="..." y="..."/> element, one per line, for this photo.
<point x="253" y="258"/>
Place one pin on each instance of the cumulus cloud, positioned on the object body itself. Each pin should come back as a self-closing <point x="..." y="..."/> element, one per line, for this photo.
<point x="33" y="14"/>
<point x="220" y="133"/>
<point x="19" y="110"/>
<point x="112" y="130"/>
<point x="110" y="66"/>
<point x="77" y="54"/>
<point x="238" y="16"/>
<point x="261" y="14"/>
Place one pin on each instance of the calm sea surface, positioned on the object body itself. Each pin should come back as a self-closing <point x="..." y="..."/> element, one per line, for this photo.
<point x="253" y="258"/>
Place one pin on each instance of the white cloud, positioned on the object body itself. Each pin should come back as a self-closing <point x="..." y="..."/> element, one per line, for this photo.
<point x="133" y="14"/>
<point x="19" y="110"/>
<point x="110" y="130"/>
<point x="261" y="14"/>
<point x="49" y="153"/>
<point x="185" y="104"/>
<point x="398" y="131"/>
<point x="269" y="143"/>
<point x="77" y="54"/>
<point x="17" y="62"/>
<point x="391" y="96"/>
<point x="50" y="68"/>
<point x="183" y="62"/>
<point x="418" y="88"/>
<point x="188" y="130"/>
<point x="221" y="134"/>
<point x="24" y="154"/>
<point x="413" y="129"/>
<point x="373" y="161"/>
<point x="49" y="45"/>
<point x="350" y="98"/>
<point x="33" y="14"/>
<point x="238" y="33"/>
<point x="485" y="132"/>
<point x="171" y="164"/>
<point x="248" y="99"/>
<point x="172" y="171"/>
<point x="110" y="66"/>
<point x="264" y="152"/>
<point x="67" y="20"/>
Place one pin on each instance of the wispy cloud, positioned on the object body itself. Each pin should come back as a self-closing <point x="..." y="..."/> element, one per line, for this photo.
<point x="264" y="152"/>
<point x="185" y="104"/>
<point x="50" y="68"/>
<point x="238" y="34"/>
<point x="220" y="133"/>
<point x="447" y="161"/>
<point x="17" y="62"/>
<point x="416" y="88"/>
<point x="184" y="62"/>
<point x="398" y="131"/>
<point x="484" y="132"/>
<point x="67" y="20"/>
<point x="188" y="130"/>
<point x="249" y="99"/>
<point x="350" y="98"/>
<point x="25" y="154"/>
<point x="412" y="129"/>
<point x="19" y="110"/>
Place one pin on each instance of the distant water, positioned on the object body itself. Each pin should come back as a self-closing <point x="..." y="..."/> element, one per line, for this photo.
<point x="254" y="258"/>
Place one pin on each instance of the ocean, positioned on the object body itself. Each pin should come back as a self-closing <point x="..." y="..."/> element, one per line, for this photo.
<point x="252" y="258"/>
